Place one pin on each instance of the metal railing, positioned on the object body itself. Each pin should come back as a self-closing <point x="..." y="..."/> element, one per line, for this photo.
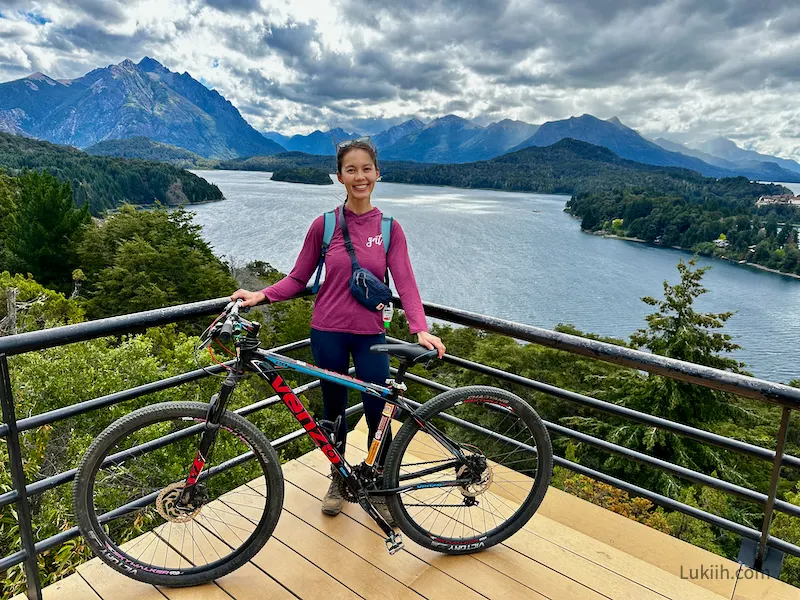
<point x="759" y="549"/>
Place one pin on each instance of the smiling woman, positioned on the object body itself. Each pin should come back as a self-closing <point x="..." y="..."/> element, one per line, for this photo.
<point x="340" y="325"/>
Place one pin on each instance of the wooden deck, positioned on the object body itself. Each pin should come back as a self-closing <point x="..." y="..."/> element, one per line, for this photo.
<point x="569" y="550"/>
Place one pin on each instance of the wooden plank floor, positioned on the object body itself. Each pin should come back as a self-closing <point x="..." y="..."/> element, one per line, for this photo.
<point x="569" y="550"/>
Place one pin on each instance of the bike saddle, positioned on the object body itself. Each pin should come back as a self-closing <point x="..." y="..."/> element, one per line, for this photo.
<point x="413" y="353"/>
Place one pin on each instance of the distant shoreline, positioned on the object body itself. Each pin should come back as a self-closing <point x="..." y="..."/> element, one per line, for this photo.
<point x="730" y="260"/>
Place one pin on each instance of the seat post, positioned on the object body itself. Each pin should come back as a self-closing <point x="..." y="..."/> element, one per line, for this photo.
<point x="401" y="371"/>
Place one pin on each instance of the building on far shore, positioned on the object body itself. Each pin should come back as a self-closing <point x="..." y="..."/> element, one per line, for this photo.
<point x="780" y="199"/>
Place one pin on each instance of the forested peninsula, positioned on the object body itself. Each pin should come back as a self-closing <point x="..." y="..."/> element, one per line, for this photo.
<point x="104" y="182"/>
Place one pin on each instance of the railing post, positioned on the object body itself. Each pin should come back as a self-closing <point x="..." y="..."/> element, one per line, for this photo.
<point x="32" y="581"/>
<point x="762" y="552"/>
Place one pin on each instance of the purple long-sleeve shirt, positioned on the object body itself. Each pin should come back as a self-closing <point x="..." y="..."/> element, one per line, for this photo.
<point x="335" y="308"/>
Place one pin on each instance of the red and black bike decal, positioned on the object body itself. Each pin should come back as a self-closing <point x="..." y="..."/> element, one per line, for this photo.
<point x="195" y="470"/>
<point x="301" y="414"/>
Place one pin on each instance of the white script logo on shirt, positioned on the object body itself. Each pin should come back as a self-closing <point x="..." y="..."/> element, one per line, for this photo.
<point x="378" y="239"/>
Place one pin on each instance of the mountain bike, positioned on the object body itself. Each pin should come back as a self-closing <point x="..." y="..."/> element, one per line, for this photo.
<point x="181" y="493"/>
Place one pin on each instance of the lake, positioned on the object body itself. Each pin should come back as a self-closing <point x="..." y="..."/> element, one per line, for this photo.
<point x="517" y="256"/>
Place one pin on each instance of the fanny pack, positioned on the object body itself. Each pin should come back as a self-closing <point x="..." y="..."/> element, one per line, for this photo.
<point x="365" y="287"/>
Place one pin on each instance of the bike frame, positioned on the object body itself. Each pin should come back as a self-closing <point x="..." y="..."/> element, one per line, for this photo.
<point x="266" y="365"/>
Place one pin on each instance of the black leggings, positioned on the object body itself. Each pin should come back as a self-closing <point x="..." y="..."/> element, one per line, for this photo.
<point x="332" y="350"/>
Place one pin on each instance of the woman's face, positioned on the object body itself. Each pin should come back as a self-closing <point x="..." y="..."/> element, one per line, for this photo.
<point x="358" y="174"/>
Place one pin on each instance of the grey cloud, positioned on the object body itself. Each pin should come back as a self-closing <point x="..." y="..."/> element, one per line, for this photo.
<point x="293" y="41"/>
<point x="586" y="43"/>
<point x="105" y="10"/>
<point x="235" y="6"/>
<point x="371" y="74"/>
<point x="93" y="37"/>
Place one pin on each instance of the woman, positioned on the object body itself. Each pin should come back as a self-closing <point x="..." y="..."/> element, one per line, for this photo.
<point x="340" y="326"/>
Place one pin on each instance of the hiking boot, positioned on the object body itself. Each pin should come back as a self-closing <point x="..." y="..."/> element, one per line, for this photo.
<point x="333" y="500"/>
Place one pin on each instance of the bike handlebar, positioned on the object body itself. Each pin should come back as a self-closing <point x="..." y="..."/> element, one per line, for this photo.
<point x="232" y="311"/>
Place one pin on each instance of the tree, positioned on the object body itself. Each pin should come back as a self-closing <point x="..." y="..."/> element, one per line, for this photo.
<point x="771" y="225"/>
<point x="138" y="260"/>
<point x="8" y="193"/>
<point x="36" y="306"/>
<point x="43" y="228"/>
<point x="786" y="234"/>
<point x="678" y="331"/>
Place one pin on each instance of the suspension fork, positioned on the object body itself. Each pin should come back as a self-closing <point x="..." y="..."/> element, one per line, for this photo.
<point x="216" y="408"/>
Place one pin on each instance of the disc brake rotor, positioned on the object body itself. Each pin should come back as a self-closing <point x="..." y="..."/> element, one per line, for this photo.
<point x="475" y="488"/>
<point x="167" y="504"/>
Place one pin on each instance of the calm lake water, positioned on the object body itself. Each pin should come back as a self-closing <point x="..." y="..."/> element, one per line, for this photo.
<point x="515" y="256"/>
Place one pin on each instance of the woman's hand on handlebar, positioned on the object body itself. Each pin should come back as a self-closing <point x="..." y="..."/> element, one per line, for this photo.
<point x="248" y="298"/>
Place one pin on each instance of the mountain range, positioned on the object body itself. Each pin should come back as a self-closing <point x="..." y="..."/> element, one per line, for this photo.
<point x="453" y="140"/>
<point x="148" y="100"/>
<point x="128" y="100"/>
<point x="571" y="167"/>
<point x="317" y="142"/>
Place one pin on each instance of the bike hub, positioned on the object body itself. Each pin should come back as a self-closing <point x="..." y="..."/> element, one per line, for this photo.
<point x="478" y="469"/>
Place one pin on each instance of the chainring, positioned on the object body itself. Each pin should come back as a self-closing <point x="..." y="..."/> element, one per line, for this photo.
<point x="344" y="491"/>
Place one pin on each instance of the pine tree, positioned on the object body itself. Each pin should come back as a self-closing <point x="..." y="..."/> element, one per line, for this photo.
<point x="42" y="229"/>
<point x="678" y="331"/>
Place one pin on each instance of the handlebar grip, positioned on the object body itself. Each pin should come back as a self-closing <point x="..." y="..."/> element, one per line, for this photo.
<point x="226" y="331"/>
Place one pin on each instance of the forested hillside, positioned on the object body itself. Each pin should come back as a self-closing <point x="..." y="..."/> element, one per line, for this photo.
<point x="102" y="182"/>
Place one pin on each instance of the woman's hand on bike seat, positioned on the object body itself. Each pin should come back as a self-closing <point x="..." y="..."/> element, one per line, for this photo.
<point x="430" y="341"/>
<point x="413" y="353"/>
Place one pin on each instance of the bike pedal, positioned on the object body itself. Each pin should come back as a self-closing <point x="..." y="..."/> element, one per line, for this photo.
<point x="394" y="543"/>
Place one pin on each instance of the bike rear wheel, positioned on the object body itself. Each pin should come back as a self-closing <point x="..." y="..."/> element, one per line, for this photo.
<point x="125" y="498"/>
<point x="508" y="477"/>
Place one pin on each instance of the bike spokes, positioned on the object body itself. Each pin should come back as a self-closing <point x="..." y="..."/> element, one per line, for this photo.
<point x="498" y="472"/>
<point x="149" y="528"/>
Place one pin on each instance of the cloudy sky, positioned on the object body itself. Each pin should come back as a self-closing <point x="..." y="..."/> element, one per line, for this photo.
<point x="690" y="70"/>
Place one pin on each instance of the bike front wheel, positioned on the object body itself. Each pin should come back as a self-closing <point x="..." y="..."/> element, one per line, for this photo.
<point x="502" y="479"/>
<point x="127" y="484"/>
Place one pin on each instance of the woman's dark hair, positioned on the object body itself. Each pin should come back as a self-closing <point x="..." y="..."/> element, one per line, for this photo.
<point x="366" y="146"/>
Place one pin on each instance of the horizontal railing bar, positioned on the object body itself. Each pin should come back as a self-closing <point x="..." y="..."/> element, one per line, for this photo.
<point x="43" y="485"/>
<point x="12" y="560"/>
<point x="73" y="532"/>
<point x="73" y="410"/>
<point x="672" y="368"/>
<point x="8" y="498"/>
<point x="783" y="545"/>
<point x="660" y="500"/>
<point x="636" y="490"/>
<point x="627" y="413"/>
<point x="133" y="322"/>
<point x="683" y="472"/>
<point x="88" y="330"/>
<point x="66" y="412"/>
<point x="742" y="385"/>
